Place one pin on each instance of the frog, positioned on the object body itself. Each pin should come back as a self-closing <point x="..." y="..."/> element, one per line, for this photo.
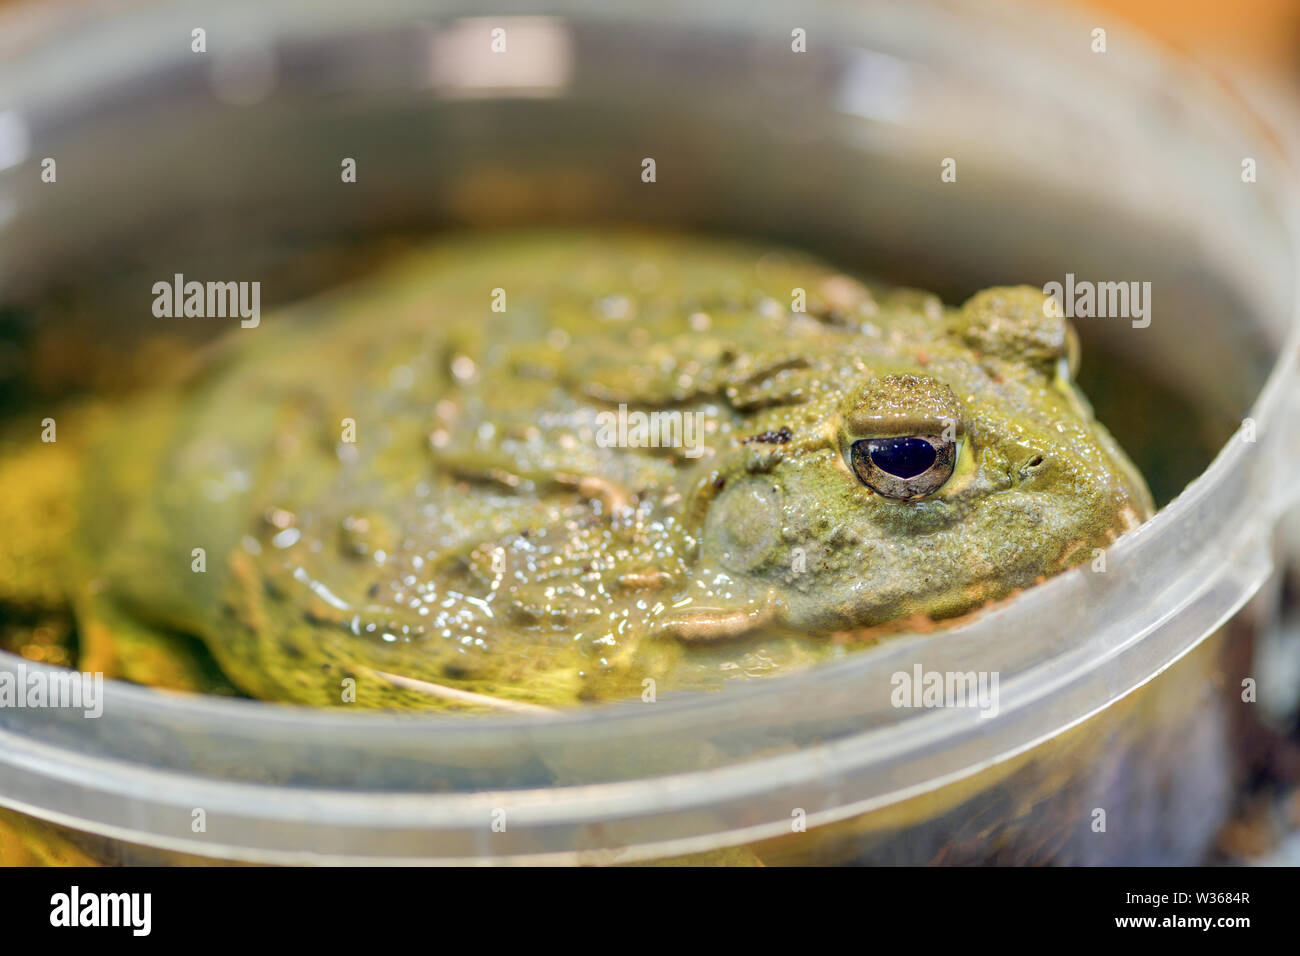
<point x="522" y="471"/>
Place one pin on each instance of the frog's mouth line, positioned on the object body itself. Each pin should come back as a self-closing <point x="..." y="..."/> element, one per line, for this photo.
<point x="458" y="696"/>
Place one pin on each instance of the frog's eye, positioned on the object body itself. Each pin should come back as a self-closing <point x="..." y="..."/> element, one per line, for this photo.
<point x="910" y="466"/>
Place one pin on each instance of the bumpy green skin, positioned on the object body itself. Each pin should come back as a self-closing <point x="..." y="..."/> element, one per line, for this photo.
<point x="478" y="535"/>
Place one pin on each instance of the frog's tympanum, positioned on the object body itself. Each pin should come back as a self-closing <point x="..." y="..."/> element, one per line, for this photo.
<point x="546" y="468"/>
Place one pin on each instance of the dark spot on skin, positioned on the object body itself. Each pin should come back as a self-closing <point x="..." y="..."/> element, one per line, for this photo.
<point x="778" y="437"/>
<point x="829" y="315"/>
<point x="719" y="483"/>
<point x="373" y="590"/>
<point x="522" y="615"/>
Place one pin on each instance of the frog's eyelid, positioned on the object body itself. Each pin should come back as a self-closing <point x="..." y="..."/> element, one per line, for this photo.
<point x="950" y="429"/>
<point x="882" y="434"/>
<point x="900" y="405"/>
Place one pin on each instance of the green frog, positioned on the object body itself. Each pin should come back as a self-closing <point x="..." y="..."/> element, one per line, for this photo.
<point x="521" y="471"/>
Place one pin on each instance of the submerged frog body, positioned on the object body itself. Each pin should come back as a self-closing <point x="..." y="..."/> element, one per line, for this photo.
<point x="544" y="468"/>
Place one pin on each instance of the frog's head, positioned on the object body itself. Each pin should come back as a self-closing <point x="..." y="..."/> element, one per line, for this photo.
<point x="951" y="471"/>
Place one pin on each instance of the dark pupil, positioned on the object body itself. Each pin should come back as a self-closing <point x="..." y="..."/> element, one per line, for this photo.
<point x="902" y="457"/>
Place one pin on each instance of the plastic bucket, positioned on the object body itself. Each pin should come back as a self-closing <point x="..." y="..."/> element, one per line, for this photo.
<point x="1117" y="166"/>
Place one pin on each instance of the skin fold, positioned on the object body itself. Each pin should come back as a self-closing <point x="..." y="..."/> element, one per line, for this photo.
<point x="407" y="499"/>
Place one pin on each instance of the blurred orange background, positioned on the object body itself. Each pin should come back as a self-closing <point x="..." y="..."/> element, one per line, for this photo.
<point x="1256" y="35"/>
<point x="1253" y="44"/>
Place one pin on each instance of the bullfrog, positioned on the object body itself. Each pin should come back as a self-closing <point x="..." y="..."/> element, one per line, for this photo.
<point x="526" y="470"/>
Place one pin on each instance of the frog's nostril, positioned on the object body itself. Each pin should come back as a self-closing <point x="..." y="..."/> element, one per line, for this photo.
<point x="1031" y="467"/>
